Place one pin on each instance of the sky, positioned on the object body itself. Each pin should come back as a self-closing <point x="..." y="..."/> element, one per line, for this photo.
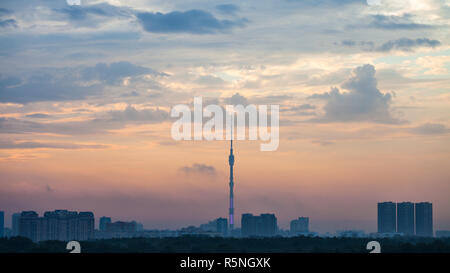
<point x="363" y="88"/>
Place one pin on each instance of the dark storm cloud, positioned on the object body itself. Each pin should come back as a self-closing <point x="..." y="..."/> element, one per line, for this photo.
<point x="199" y="169"/>
<point x="192" y="21"/>
<point x="396" y="22"/>
<point x="363" y="103"/>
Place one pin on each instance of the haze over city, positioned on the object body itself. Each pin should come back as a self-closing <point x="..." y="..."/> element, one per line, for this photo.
<point x="363" y="88"/>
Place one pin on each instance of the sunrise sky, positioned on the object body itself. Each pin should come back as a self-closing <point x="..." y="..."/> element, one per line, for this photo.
<point x="363" y="88"/>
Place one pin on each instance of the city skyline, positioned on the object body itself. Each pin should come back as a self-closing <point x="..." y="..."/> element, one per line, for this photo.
<point x="403" y="218"/>
<point x="86" y="93"/>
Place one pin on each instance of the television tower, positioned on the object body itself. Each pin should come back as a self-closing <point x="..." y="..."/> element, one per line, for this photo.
<point x="231" y="162"/>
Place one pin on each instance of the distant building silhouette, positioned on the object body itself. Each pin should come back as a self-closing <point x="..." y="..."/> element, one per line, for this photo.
<point x="386" y="217"/>
<point x="2" y="224"/>
<point x="15" y="218"/>
<point x="139" y="227"/>
<point x="121" y="229"/>
<point x="263" y="225"/>
<point x="405" y="218"/>
<point x="217" y="227"/>
<point x="62" y="225"/>
<point x="248" y="224"/>
<point x="58" y="225"/>
<point x="424" y="219"/>
<point x="211" y="226"/>
<point x="442" y="233"/>
<point x="28" y="225"/>
<point x="86" y="224"/>
<point x="103" y="221"/>
<point x="222" y="226"/>
<point x="197" y="231"/>
<point x="7" y="232"/>
<point x="300" y="225"/>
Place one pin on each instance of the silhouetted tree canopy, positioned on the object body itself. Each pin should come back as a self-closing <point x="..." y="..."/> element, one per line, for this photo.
<point x="192" y="244"/>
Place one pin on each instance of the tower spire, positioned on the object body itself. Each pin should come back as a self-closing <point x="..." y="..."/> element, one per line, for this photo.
<point x="231" y="163"/>
<point x="231" y="147"/>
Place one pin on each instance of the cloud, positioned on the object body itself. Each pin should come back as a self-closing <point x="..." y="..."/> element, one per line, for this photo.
<point x="271" y="99"/>
<point x="192" y="21"/>
<point x="405" y="44"/>
<point x="115" y="72"/>
<point x="327" y="3"/>
<point x="91" y="15"/>
<point x="228" y="9"/>
<point x="45" y="87"/>
<point x="323" y="142"/>
<point x="5" y="11"/>
<point x="299" y="110"/>
<point x="79" y="12"/>
<point x="8" y="23"/>
<point x="101" y="123"/>
<point x="210" y="80"/>
<point x="57" y="45"/>
<point x="130" y="94"/>
<point x="6" y="144"/>
<point x="430" y="129"/>
<point x="8" y="81"/>
<point x="199" y="169"/>
<point x="363" y="103"/>
<point x="236" y="99"/>
<point x="395" y="22"/>
<point x="402" y="44"/>
<point x="367" y="45"/>
<point x="130" y="114"/>
<point x="37" y="115"/>
<point x="306" y="106"/>
<point x="69" y="83"/>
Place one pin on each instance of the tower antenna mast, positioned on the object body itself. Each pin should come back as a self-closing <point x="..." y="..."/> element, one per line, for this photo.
<point x="231" y="163"/>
